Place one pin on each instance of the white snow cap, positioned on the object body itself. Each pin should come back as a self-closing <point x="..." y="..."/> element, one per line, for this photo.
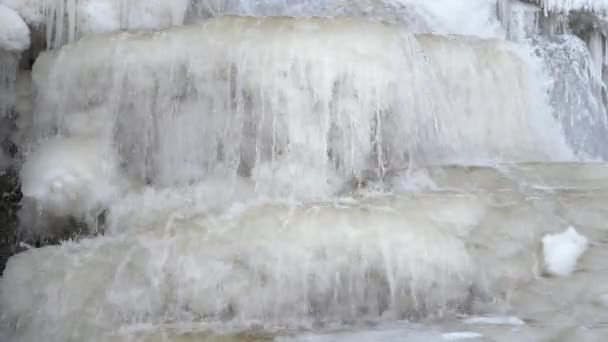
<point x="14" y="33"/>
<point x="562" y="251"/>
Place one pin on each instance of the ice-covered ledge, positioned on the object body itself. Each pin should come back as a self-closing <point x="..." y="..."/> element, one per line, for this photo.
<point x="587" y="19"/>
<point x="567" y="6"/>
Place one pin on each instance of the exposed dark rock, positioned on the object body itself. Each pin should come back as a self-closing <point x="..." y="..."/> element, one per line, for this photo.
<point x="10" y="193"/>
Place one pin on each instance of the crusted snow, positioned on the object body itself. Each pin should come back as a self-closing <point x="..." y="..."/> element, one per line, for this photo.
<point x="562" y="251"/>
<point x="14" y="33"/>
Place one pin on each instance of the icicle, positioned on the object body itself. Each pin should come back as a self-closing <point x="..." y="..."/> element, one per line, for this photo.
<point x="566" y="6"/>
<point x="524" y="21"/>
<point x="605" y="48"/>
<point x="596" y="49"/>
<point x="503" y="10"/>
<point x="9" y="64"/>
<point x="68" y="20"/>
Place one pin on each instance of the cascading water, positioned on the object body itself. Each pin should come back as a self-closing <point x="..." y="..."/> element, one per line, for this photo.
<point x="324" y="177"/>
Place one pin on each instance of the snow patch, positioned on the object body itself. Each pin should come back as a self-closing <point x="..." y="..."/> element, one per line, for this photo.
<point x="463" y="335"/>
<point x="498" y="320"/>
<point x="14" y="33"/>
<point x="562" y="251"/>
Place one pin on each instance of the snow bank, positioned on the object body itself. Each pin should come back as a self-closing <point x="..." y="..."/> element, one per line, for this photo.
<point x="14" y="33"/>
<point x="561" y="251"/>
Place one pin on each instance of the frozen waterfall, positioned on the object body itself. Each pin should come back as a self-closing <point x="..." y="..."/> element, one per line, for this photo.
<point x="292" y="170"/>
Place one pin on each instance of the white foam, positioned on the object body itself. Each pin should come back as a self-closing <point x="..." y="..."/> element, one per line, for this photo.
<point x="562" y="251"/>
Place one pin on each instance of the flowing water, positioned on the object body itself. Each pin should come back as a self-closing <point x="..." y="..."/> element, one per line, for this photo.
<point x="313" y="179"/>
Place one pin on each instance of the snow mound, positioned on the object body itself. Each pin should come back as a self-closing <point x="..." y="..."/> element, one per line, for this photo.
<point x="14" y="33"/>
<point x="70" y="177"/>
<point x="562" y="251"/>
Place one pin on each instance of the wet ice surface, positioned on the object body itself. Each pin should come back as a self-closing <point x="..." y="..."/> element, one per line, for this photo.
<point x="500" y="215"/>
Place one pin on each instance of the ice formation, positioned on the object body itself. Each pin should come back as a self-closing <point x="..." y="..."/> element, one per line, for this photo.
<point x="392" y="256"/>
<point x="9" y="68"/>
<point x="562" y="251"/>
<point x="67" y="20"/>
<point x="566" y="6"/>
<point x="296" y="172"/>
<point x="570" y="66"/>
<point x="473" y="18"/>
<point x="14" y="33"/>
<point x="176" y="116"/>
<point x="70" y="177"/>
